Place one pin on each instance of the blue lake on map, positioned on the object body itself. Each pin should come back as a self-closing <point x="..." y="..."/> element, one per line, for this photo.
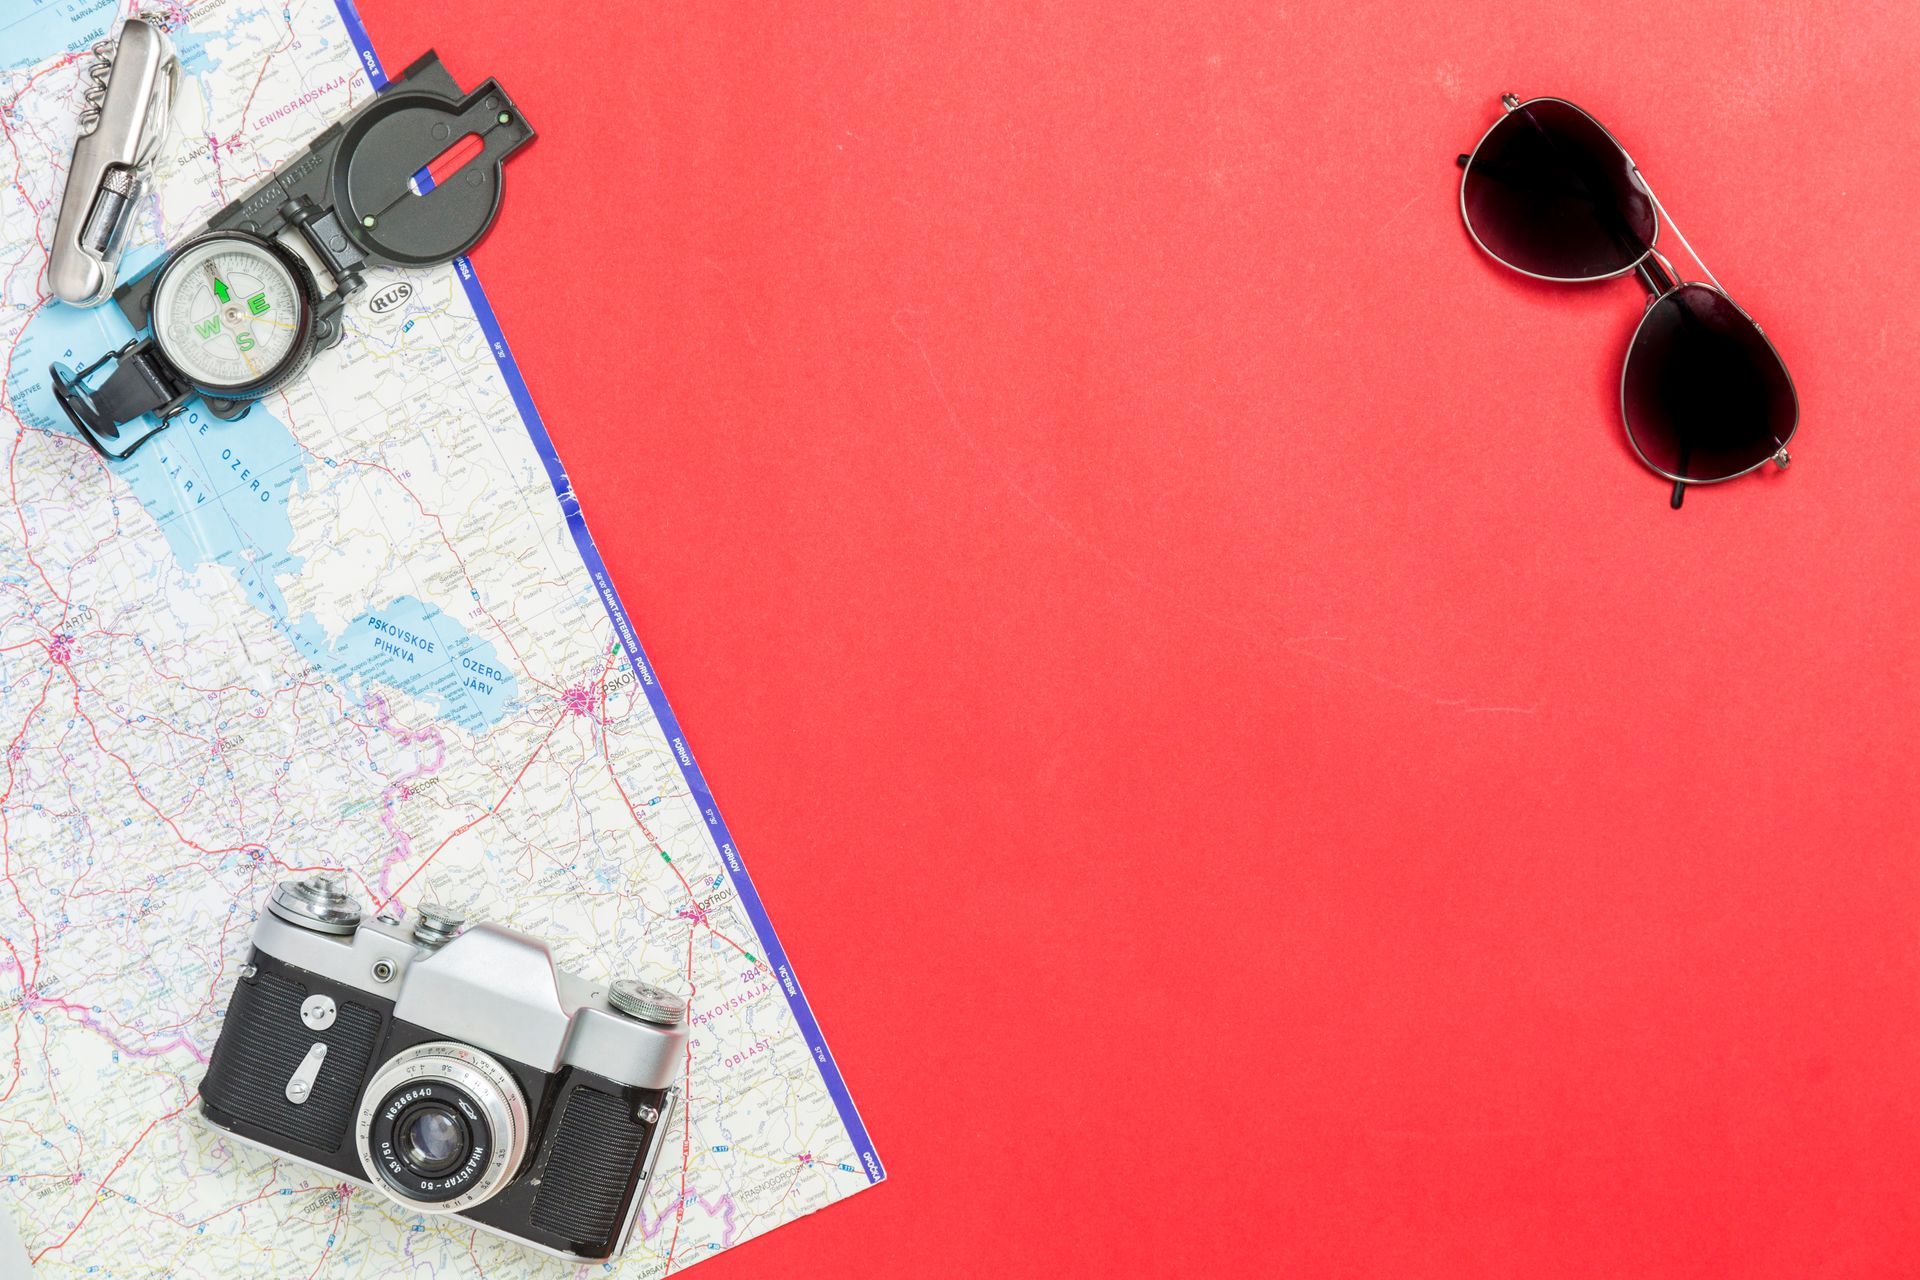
<point x="414" y="646"/>
<point x="32" y="32"/>
<point x="191" y="46"/>
<point x="219" y="492"/>
<point x="38" y="30"/>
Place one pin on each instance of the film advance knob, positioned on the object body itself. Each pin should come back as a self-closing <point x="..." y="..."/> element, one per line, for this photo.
<point x="644" y="1002"/>
<point x="317" y="902"/>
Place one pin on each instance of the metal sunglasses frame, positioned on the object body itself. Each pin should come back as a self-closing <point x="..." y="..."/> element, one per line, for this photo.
<point x="1657" y="273"/>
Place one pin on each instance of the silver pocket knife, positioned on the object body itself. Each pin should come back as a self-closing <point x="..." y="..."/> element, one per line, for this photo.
<point x="121" y="131"/>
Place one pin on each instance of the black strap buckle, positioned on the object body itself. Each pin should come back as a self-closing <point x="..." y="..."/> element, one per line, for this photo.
<point x="135" y="389"/>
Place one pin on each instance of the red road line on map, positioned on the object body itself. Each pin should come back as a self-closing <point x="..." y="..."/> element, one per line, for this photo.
<point x="667" y="858"/>
<point x="260" y="79"/>
<point x="462" y="830"/>
<point x="134" y="781"/>
<point x="441" y="526"/>
<point x="102" y="1184"/>
<point x="339" y="1214"/>
<point x="641" y="823"/>
<point x="686" y="1131"/>
<point x="686" y="1110"/>
<point x="18" y="163"/>
<point x="18" y="1070"/>
<point x="266" y="1193"/>
<point x="47" y="70"/>
<point x="6" y="850"/>
<point x="13" y="479"/>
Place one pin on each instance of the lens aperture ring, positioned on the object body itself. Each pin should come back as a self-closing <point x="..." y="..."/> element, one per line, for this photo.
<point x="463" y="1092"/>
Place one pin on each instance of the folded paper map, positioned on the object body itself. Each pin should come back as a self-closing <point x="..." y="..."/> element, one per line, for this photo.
<point x="363" y="629"/>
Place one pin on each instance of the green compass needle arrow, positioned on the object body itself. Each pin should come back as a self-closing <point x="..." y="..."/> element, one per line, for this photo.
<point x="220" y="293"/>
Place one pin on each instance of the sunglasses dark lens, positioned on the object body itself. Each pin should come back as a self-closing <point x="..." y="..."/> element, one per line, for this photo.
<point x="1705" y="395"/>
<point x="1549" y="193"/>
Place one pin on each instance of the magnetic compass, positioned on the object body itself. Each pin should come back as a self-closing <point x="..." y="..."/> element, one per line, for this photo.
<point x="238" y="310"/>
<point x="233" y="314"/>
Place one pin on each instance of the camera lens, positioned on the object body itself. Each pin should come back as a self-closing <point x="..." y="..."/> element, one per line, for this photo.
<point x="432" y="1138"/>
<point x="442" y="1127"/>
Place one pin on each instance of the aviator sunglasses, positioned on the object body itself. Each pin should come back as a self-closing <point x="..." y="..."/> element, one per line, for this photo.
<point x="1549" y="193"/>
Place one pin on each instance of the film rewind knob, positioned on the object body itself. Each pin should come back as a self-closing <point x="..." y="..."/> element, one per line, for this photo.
<point x="644" y="1002"/>
<point x="316" y="902"/>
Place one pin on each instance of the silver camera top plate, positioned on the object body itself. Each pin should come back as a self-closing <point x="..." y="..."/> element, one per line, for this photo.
<point x="492" y="987"/>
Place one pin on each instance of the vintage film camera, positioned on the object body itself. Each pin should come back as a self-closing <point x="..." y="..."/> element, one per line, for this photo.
<point x="455" y="1070"/>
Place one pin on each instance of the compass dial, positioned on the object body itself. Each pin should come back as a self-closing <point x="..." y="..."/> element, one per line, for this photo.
<point x="230" y="314"/>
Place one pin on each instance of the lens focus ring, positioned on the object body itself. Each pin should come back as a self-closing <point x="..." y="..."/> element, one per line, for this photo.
<point x="466" y="1103"/>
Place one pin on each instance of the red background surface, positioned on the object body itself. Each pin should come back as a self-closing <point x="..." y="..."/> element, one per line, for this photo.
<point x="1253" y="776"/>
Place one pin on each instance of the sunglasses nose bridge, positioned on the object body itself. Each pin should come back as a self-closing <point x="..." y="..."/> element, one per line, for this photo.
<point x="1656" y="275"/>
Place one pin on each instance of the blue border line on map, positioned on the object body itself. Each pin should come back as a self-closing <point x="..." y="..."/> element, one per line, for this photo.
<point x="776" y="956"/>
